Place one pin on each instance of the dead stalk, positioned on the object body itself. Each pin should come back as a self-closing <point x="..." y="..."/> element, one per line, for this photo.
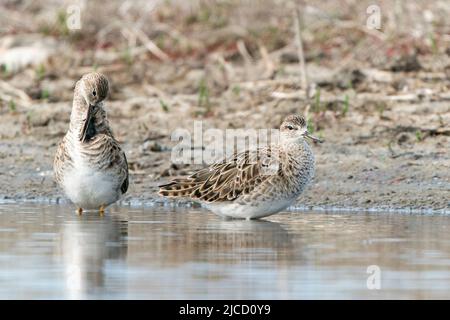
<point x="150" y="45"/>
<point x="301" y="56"/>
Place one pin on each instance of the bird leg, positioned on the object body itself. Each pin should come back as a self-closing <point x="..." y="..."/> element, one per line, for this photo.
<point x="80" y="211"/>
<point x="102" y="210"/>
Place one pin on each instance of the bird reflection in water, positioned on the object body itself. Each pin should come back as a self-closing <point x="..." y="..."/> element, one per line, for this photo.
<point x="88" y="243"/>
<point x="181" y="238"/>
<point x="137" y="251"/>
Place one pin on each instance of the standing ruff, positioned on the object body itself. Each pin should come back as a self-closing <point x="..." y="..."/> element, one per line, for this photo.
<point x="254" y="184"/>
<point x="90" y="165"/>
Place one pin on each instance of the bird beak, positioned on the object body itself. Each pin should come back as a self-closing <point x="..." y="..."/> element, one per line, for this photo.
<point x="308" y="135"/>
<point x="86" y="123"/>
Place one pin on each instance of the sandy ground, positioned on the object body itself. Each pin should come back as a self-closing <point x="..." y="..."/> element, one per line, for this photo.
<point x="369" y="159"/>
<point x="385" y="121"/>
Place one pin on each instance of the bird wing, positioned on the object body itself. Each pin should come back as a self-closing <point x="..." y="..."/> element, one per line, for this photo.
<point x="61" y="162"/>
<point x="124" y="187"/>
<point x="105" y="152"/>
<point x="228" y="180"/>
<point x="114" y="157"/>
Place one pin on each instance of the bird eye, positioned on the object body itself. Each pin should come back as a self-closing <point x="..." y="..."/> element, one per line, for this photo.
<point x="94" y="93"/>
<point x="290" y="127"/>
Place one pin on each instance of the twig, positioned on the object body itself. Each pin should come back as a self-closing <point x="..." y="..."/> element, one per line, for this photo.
<point x="152" y="90"/>
<point x="110" y="68"/>
<point x="248" y="60"/>
<point x="261" y="84"/>
<point x="130" y="36"/>
<point x="269" y="65"/>
<point x="9" y="92"/>
<point x="352" y="25"/>
<point x="150" y="45"/>
<point x="228" y="70"/>
<point x="301" y="56"/>
<point x="395" y="155"/>
<point x="406" y="97"/>
<point x="298" y="95"/>
<point x="244" y="52"/>
<point x="177" y="35"/>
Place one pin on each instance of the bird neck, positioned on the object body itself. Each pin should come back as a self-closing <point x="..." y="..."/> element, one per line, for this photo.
<point x="297" y="164"/>
<point x="298" y="146"/>
<point x="79" y="109"/>
<point x="298" y="155"/>
<point x="98" y="123"/>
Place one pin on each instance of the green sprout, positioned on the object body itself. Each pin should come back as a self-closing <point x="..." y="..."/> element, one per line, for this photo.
<point x="346" y="105"/>
<point x="310" y="125"/>
<point x="127" y="57"/>
<point x="236" y="90"/>
<point x="419" y="135"/>
<point x="29" y="116"/>
<point x="45" y="94"/>
<point x="4" y="70"/>
<point x="316" y="106"/>
<point x="40" y="72"/>
<point x="12" y="106"/>
<point x="434" y="45"/>
<point x="62" y="23"/>
<point x="164" y="106"/>
<point x="380" y="108"/>
<point x="203" y="96"/>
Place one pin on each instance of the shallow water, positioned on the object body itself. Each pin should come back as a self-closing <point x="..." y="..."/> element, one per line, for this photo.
<point x="48" y="252"/>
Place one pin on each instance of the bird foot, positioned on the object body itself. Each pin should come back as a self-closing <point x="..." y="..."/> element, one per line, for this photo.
<point x="80" y="211"/>
<point x="102" y="211"/>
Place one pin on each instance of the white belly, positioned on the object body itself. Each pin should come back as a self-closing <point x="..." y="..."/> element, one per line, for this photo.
<point x="90" y="189"/>
<point x="238" y="211"/>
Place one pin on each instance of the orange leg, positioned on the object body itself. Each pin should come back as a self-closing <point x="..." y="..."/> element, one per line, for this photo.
<point x="80" y="211"/>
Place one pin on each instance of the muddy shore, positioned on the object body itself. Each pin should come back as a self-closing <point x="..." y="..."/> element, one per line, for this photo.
<point x="365" y="162"/>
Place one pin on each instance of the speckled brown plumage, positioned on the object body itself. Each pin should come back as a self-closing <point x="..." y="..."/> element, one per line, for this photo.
<point x="278" y="172"/>
<point x="89" y="163"/>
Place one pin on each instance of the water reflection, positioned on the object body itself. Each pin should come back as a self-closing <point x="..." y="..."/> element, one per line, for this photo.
<point x="188" y="238"/>
<point x="86" y="245"/>
<point x="50" y="252"/>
